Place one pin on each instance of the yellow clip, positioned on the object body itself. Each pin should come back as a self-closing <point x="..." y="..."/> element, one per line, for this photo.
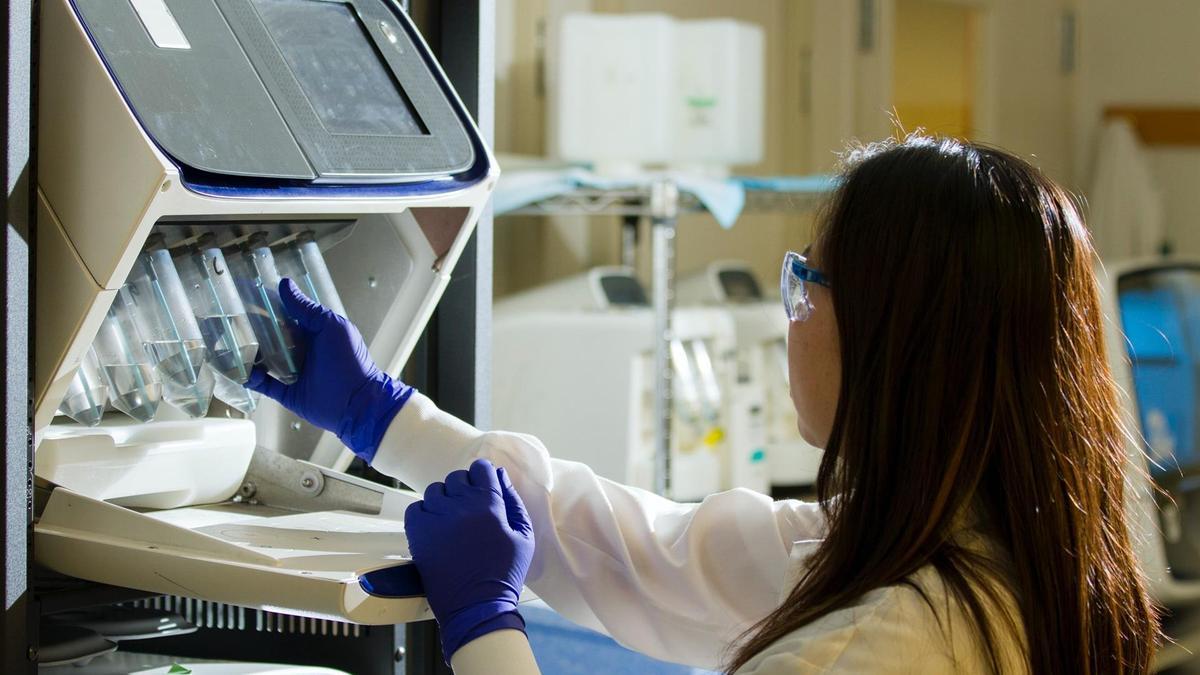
<point x="714" y="436"/>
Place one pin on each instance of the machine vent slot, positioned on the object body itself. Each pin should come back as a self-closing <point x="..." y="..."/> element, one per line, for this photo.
<point x="222" y="616"/>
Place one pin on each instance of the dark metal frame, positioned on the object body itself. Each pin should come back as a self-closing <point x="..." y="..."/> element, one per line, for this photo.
<point x="18" y="631"/>
<point x="452" y="363"/>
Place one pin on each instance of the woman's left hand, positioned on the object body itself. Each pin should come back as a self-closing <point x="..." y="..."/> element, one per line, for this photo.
<point x="472" y="543"/>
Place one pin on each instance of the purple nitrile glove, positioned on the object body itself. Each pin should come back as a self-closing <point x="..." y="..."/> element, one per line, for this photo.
<point x="340" y="389"/>
<point x="472" y="542"/>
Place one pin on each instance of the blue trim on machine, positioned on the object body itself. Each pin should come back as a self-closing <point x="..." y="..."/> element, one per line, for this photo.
<point x="401" y="581"/>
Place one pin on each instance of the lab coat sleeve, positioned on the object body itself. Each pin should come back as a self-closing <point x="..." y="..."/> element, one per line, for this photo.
<point x="501" y="652"/>
<point x="675" y="581"/>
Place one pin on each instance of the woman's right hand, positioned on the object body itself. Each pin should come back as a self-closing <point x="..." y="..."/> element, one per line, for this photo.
<point x="340" y="389"/>
<point x="472" y="541"/>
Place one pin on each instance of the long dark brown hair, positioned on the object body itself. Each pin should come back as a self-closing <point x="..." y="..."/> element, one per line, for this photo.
<point x="974" y="381"/>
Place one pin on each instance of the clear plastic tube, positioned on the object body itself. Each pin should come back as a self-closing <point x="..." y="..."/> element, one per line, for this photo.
<point x="710" y="386"/>
<point x="687" y="389"/>
<point x="228" y="335"/>
<point x="168" y="325"/>
<point x="301" y="261"/>
<point x="133" y="386"/>
<point x="257" y="280"/>
<point x="87" y="393"/>
<point x="232" y="393"/>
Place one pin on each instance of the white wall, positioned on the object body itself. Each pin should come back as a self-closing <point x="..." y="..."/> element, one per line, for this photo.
<point x="1143" y="53"/>
<point x="1030" y="95"/>
<point x="1023" y="99"/>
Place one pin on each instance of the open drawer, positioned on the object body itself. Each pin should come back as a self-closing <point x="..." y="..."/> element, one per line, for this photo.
<point x="289" y="536"/>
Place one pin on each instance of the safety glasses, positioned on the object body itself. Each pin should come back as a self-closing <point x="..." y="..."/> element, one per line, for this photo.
<point x="793" y="285"/>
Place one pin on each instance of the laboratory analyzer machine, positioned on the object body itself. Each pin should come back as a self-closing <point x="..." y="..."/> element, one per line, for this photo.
<point x="192" y="154"/>
<point x="573" y="365"/>
<point x="791" y="464"/>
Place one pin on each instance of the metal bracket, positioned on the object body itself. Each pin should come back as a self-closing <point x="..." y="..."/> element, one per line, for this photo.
<point x="278" y="480"/>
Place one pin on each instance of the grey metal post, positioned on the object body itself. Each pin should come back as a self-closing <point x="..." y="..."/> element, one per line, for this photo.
<point x="18" y="630"/>
<point x="664" y="211"/>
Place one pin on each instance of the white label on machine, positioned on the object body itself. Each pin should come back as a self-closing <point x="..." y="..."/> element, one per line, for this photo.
<point x="160" y="24"/>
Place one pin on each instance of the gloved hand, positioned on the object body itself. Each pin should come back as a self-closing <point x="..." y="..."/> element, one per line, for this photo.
<point x="340" y="389"/>
<point x="472" y="542"/>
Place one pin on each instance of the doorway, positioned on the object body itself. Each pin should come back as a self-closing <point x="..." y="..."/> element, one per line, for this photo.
<point x="935" y="52"/>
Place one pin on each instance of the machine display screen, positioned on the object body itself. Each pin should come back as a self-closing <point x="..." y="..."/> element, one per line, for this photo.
<point x="623" y="291"/>
<point x="1160" y="314"/>
<point x="335" y="61"/>
<point x="739" y="286"/>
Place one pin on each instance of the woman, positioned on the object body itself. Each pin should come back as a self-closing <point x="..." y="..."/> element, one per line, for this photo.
<point x="946" y="350"/>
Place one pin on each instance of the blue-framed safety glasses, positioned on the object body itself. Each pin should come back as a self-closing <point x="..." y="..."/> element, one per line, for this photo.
<point x="793" y="285"/>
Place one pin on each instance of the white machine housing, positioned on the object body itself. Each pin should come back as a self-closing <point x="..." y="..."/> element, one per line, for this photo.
<point x="574" y="366"/>
<point x="791" y="463"/>
<point x="638" y="89"/>
<point x="222" y="509"/>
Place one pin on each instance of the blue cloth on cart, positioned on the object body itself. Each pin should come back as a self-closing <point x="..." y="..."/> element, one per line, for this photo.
<point x="814" y="184"/>
<point x="724" y="198"/>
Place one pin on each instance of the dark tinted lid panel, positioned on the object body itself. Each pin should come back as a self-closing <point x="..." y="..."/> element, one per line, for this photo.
<point x="338" y="69"/>
<point x="203" y="105"/>
<point x="297" y="89"/>
<point x="399" y="125"/>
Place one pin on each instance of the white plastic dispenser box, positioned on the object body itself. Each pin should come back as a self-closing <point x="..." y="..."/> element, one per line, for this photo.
<point x="646" y="89"/>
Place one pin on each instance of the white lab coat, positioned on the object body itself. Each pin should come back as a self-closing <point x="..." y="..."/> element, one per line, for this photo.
<point x="679" y="582"/>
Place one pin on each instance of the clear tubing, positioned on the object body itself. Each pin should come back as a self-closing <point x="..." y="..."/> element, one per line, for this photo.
<point x="687" y="388"/>
<point x="710" y="387"/>
<point x="87" y="393"/>
<point x="168" y="325"/>
<point x="301" y="261"/>
<point x="257" y="280"/>
<point x="780" y="350"/>
<point x="231" y="343"/>
<point x="133" y="385"/>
